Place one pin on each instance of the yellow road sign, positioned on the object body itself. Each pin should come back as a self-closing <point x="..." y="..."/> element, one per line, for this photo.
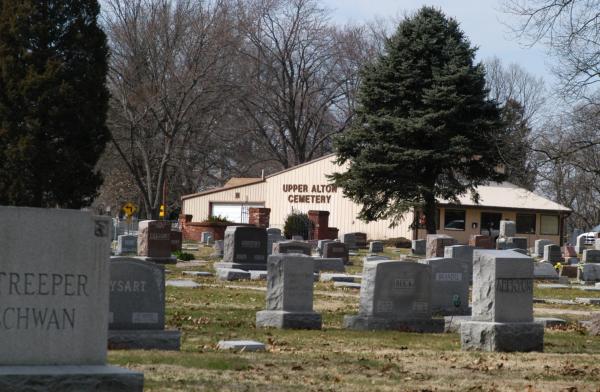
<point x="129" y="209"/>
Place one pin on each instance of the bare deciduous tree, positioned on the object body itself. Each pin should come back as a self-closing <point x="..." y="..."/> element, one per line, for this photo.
<point x="296" y="84"/>
<point x="168" y="64"/>
<point x="521" y="97"/>
<point x="571" y="30"/>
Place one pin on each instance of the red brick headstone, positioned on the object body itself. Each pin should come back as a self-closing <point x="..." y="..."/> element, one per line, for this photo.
<point x="569" y="251"/>
<point x="320" y="221"/>
<point x="481" y="241"/>
<point x="154" y="238"/>
<point x="436" y="244"/>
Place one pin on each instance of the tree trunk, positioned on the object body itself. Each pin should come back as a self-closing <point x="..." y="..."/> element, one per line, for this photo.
<point x="430" y="212"/>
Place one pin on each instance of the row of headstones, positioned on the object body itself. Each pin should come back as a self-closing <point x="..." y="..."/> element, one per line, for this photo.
<point x="247" y="247"/>
<point x="155" y="241"/>
<point x="404" y="295"/>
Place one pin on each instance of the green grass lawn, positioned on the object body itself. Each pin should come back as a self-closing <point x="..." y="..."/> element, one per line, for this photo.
<point x="334" y="359"/>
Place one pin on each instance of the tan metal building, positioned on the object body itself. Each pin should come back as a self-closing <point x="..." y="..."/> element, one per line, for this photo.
<point x="305" y="187"/>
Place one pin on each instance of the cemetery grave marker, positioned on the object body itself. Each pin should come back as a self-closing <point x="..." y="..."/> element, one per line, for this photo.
<point x="137" y="306"/>
<point x="436" y="244"/>
<point x="289" y="294"/>
<point x="502" y="317"/>
<point x="154" y="241"/>
<point x="395" y="295"/>
<point x="126" y="244"/>
<point x="376" y="247"/>
<point x="418" y="247"/>
<point x="292" y="247"/>
<point x="336" y="250"/>
<point x="552" y="254"/>
<point x="449" y="286"/>
<point x="55" y="301"/>
<point x="245" y="248"/>
<point x="538" y="247"/>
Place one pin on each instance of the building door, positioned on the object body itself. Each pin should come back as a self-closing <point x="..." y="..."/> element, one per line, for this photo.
<point x="490" y="223"/>
<point x="233" y="212"/>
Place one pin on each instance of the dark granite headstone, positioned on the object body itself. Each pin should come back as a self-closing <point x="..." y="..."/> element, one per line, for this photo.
<point x="126" y="244"/>
<point x="137" y="306"/>
<point x="137" y="294"/>
<point x="245" y="247"/>
<point x="176" y="240"/>
<point x="336" y="250"/>
<point x="292" y="247"/>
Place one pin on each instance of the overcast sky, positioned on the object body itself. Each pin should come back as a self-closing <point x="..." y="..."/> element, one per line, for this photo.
<point x="481" y="20"/>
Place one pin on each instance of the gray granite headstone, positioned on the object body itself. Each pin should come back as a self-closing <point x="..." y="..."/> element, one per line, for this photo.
<point x="271" y="239"/>
<point x="126" y="244"/>
<point x="329" y="264"/>
<point x="137" y="306"/>
<point x="508" y="228"/>
<point x="376" y="247"/>
<point x="289" y="294"/>
<point x="219" y="247"/>
<point x="355" y="240"/>
<point x="591" y="256"/>
<point x="367" y="259"/>
<point x="580" y="243"/>
<point x="463" y="253"/>
<point x="449" y="286"/>
<point x="337" y="250"/>
<point x="206" y="237"/>
<point x="292" y="247"/>
<point x="274" y="231"/>
<point x="395" y="295"/>
<point x="418" y="247"/>
<point x="538" y="247"/>
<point x="502" y="304"/>
<point x="54" y="289"/>
<point x="321" y="244"/>
<point x="516" y="242"/>
<point x="137" y="294"/>
<point x="552" y="254"/>
<point x="588" y="272"/>
<point x="544" y="271"/>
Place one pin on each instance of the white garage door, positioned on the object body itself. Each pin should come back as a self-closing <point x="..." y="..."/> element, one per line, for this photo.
<point x="237" y="213"/>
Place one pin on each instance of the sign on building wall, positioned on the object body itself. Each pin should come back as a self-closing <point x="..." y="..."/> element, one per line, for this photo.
<point x="313" y="194"/>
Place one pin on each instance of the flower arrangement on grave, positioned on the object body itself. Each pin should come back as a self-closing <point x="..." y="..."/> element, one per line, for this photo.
<point x="558" y="266"/>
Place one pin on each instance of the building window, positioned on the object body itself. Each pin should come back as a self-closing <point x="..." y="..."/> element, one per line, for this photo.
<point x="490" y="223"/>
<point x="549" y="224"/>
<point x="454" y="219"/>
<point x="421" y="223"/>
<point x="526" y="223"/>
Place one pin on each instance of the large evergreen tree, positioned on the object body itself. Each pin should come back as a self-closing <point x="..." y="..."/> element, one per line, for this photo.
<point x="424" y="124"/>
<point x="53" y="102"/>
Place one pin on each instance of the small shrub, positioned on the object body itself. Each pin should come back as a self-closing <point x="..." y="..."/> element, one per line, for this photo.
<point x="400" y="242"/>
<point x="183" y="256"/>
<point x="297" y="223"/>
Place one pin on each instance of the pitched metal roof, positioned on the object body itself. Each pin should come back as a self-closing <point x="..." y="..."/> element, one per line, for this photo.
<point x="507" y="195"/>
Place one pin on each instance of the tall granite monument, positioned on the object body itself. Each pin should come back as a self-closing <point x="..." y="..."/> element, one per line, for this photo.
<point x="54" y="289"/>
